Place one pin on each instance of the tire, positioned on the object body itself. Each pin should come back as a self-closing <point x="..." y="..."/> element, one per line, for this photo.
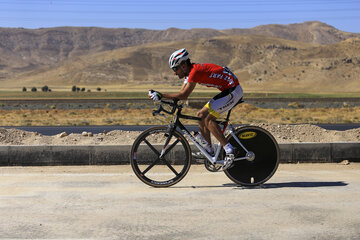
<point x="267" y="156"/>
<point x="154" y="171"/>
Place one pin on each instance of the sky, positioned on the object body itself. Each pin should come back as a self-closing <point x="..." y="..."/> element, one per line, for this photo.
<point x="186" y="14"/>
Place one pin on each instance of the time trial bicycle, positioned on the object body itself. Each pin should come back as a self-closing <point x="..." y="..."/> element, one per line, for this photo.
<point x="161" y="156"/>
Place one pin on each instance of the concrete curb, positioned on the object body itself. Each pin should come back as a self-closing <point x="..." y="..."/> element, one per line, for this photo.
<point x="320" y="152"/>
<point x="50" y="155"/>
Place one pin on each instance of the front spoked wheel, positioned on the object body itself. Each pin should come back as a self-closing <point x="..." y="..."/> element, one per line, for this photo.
<point x="267" y="155"/>
<point x="154" y="169"/>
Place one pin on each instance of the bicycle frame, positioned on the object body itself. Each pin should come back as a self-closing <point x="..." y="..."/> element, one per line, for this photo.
<point x="163" y="165"/>
<point x="177" y="124"/>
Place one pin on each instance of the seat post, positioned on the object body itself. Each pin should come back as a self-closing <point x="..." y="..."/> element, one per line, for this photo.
<point x="228" y="115"/>
<point x="229" y="112"/>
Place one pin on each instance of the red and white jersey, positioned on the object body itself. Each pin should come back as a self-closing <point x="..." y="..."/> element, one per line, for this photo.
<point x="212" y="75"/>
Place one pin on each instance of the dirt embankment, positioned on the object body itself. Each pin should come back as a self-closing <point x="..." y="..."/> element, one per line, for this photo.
<point x="282" y="133"/>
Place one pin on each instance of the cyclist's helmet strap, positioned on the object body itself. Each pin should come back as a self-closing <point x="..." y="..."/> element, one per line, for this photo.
<point x="177" y="57"/>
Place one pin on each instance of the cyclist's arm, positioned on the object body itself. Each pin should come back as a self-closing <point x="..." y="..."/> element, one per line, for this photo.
<point x="184" y="93"/>
<point x="183" y="86"/>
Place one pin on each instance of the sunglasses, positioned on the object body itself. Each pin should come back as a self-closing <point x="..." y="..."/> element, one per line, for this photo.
<point x="174" y="69"/>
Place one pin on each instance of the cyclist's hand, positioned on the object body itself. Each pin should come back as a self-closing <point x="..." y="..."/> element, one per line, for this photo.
<point x="154" y="95"/>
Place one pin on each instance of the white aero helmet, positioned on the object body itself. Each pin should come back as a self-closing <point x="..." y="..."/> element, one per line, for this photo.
<point x="177" y="57"/>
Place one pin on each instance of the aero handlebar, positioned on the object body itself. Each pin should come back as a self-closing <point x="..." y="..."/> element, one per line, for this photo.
<point x="160" y="109"/>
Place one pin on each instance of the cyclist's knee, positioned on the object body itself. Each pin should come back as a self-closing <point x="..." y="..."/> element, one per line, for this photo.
<point x="202" y="114"/>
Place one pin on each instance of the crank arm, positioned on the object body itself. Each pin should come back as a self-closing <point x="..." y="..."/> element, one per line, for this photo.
<point x="250" y="156"/>
<point x="241" y="159"/>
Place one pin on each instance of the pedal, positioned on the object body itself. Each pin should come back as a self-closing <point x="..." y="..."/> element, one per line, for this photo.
<point x="229" y="159"/>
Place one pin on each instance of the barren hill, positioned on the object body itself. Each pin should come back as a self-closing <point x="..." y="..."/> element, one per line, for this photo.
<point x="70" y="55"/>
<point x="261" y="63"/>
<point x="311" y="32"/>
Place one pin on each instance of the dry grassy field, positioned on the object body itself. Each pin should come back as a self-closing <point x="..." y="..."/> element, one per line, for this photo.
<point x="244" y="113"/>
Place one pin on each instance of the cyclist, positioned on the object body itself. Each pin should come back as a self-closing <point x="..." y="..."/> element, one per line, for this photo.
<point x="210" y="75"/>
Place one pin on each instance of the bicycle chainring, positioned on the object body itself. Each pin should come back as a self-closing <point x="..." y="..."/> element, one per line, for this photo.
<point x="211" y="167"/>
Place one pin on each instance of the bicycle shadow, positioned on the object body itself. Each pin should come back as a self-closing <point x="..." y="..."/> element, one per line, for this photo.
<point x="297" y="185"/>
<point x="275" y="185"/>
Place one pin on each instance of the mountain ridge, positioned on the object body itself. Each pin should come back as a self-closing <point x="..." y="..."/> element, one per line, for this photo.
<point x="50" y="55"/>
<point x="259" y="62"/>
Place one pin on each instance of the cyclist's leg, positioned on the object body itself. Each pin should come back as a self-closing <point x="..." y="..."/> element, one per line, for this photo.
<point x="218" y="105"/>
<point x="202" y="126"/>
<point x="214" y="128"/>
<point x="219" y="135"/>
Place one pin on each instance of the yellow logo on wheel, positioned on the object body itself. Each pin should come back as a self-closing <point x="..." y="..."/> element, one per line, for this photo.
<point x="247" y="135"/>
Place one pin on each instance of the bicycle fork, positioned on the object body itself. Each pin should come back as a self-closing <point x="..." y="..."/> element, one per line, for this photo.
<point x="171" y="129"/>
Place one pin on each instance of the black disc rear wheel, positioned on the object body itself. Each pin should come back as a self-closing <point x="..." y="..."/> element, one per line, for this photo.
<point x="267" y="155"/>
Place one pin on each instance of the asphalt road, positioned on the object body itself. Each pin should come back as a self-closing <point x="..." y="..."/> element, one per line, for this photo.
<point x="301" y="201"/>
<point x="53" y="130"/>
